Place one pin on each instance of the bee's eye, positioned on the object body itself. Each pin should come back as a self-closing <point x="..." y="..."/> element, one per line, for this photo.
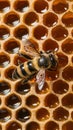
<point x="53" y="60"/>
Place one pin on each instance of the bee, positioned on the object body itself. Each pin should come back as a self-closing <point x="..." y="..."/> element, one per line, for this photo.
<point x="36" y="65"/>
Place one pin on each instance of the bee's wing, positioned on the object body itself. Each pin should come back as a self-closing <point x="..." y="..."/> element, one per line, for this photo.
<point x="28" y="49"/>
<point x="40" y="78"/>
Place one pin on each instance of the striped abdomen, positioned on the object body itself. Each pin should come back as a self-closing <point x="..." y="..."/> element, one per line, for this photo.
<point x="30" y="67"/>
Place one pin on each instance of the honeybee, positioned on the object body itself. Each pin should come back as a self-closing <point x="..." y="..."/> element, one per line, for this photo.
<point x="36" y="65"/>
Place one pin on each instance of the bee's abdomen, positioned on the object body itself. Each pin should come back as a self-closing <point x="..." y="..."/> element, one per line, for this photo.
<point x="31" y="66"/>
<point x="24" y="70"/>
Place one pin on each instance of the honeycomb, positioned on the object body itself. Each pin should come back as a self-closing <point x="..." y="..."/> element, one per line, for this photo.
<point x="49" y="25"/>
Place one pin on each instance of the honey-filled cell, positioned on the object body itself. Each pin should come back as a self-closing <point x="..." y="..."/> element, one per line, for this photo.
<point x="22" y="88"/>
<point x="42" y="114"/>
<point x="13" y="126"/>
<point x="60" y="87"/>
<point x="31" y="19"/>
<point x="41" y="6"/>
<point x="4" y="6"/>
<point x="67" y="46"/>
<point x="50" y="44"/>
<point x="33" y="126"/>
<point x="21" y="32"/>
<point x="50" y="19"/>
<point x="12" y="19"/>
<point x="23" y="115"/>
<point x="12" y="46"/>
<point x="60" y="6"/>
<point x="4" y="60"/>
<point x="67" y="19"/>
<point x="51" y="101"/>
<point x="59" y="33"/>
<point x="13" y="101"/>
<point x="32" y="101"/>
<point x="4" y="32"/>
<point x="5" y="115"/>
<point x="21" y="6"/>
<point x="60" y="114"/>
<point x="51" y="125"/>
<point x="40" y="32"/>
<point x="4" y="87"/>
<point x="68" y="126"/>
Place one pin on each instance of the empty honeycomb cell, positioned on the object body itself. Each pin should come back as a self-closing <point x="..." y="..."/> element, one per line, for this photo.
<point x="21" y="6"/>
<point x="4" y="6"/>
<point x="22" y="88"/>
<point x="51" y="101"/>
<point x="67" y="100"/>
<point x="51" y="125"/>
<point x="21" y="32"/>
<point x="12" y="19"/>
<point x="4" y="32"/>
<point x="13" y="101"/>
<point x="40" y="32"/>
<point x="50" y="44"/>
<point x="23" y="114"/>
<point x="59" y="32"/>
<point x="60" y="6"/>
<point x="67" y="19"/>
<point x="12" y="46"/>
<point x="41" y="6"/>
<point x="13" y="126"/>
<point x="32" y="101"/>
<point x="19" y="59"/>
<point x="52" y="75"/>
<point x="4" y="87"/>
<point x="4" y="60"/>
<point x="5" y="115"/>
<point x="60" y="114"/>
<point x="50" y="19"/>
<point x="31" y="19"/>
<point x="68" y="73"/>
<point x="67" y="46"/>
<point x="62" y="59"/>
<point x="68" y="126"/>
<point x="8" y="72"/>
<point x="42" y="114"/>
<point x="44" y="90"/>
<point x="60" y="87"/>
<point x="33" y="126"/>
